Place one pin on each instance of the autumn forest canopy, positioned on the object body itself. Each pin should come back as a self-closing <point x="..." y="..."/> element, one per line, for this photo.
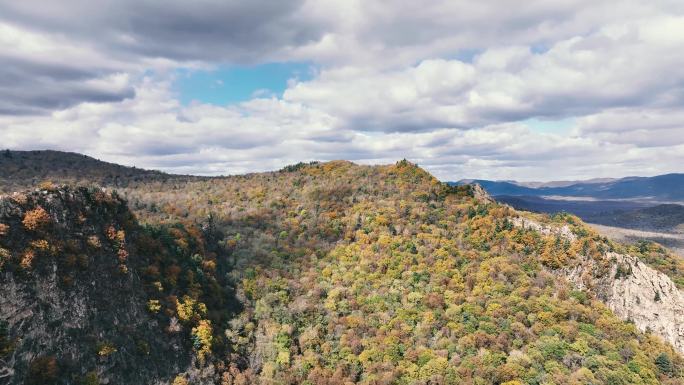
<point x="320" y="273"/>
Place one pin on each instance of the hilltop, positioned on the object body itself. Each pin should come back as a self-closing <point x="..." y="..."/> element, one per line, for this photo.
<point x="382" y="274"/>
<point x="25" y="169"/>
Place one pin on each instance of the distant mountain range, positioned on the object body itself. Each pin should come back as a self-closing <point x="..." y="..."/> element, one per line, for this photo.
<point x="637" y="203"/>
<point x="661" y="188"/>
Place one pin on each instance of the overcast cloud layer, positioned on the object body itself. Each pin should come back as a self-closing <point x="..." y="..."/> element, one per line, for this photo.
<point x="549" y="90"/>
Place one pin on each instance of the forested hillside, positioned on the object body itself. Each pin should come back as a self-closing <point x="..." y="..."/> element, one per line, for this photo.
<point x="372" y="275"/>
<point x="89" y="296"/>
<point x="24" y="169"/>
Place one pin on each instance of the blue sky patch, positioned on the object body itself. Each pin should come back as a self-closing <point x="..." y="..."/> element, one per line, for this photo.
<point x="234" y="84"/>
<point x="466" y="55"/>
<point x="550" y="125"/>
<point x="539" y="48"/>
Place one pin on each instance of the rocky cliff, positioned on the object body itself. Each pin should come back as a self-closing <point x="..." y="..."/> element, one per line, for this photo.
<point x="633" y="290"/>
<point x="72" y="307"/>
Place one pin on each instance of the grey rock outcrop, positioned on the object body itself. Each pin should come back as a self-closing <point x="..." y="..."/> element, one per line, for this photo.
<point x="631" y="289"/>
<point x="635" y="292"/>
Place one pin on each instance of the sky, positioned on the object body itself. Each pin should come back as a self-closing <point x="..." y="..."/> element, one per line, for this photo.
<point x="490" y="89"/>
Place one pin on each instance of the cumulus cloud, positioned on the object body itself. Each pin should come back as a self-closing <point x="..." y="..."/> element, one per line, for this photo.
<point x="640" y="127"/>
<point x="57" y="54"/>
<point x="575" y="76"/>
<point x="41" y="73"/>
<point x="153" y="130"/>
<point x="205" y="30"/>
<point x="449" y="84"/>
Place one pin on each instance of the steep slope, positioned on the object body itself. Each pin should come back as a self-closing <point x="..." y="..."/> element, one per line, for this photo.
<point x="640" y="284"/>
<point x="621" y="220"/>
<point x="77" y="299"/>
<point x="636" y="292"/>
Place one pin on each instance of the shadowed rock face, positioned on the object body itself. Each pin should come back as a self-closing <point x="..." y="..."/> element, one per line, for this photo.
<point x="76" y="309"/>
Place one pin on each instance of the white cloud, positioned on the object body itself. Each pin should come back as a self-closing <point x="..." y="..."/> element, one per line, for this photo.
<point x="576" y="76"/>
<point x="448" y="84"/>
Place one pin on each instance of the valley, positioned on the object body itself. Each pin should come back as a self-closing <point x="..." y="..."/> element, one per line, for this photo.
<point x="626" y="210"/>
<point x="673" y="241"/>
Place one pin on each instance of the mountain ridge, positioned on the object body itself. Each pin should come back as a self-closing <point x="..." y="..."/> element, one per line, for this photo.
<point x="369" y="274"/>
<point x="20" y="170"/>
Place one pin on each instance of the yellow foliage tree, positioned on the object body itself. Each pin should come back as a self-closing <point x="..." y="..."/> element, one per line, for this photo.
<point x="202" y="338"/>
<point x="36" y="219"/>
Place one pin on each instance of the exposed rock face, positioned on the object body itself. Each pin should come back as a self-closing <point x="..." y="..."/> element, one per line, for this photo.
<point x="563" y="231"/>
<point x="630" y="288"/>
<point x="635" y="292"/>
<point x="481" y="194"/>
<point x="76" y="306"/>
